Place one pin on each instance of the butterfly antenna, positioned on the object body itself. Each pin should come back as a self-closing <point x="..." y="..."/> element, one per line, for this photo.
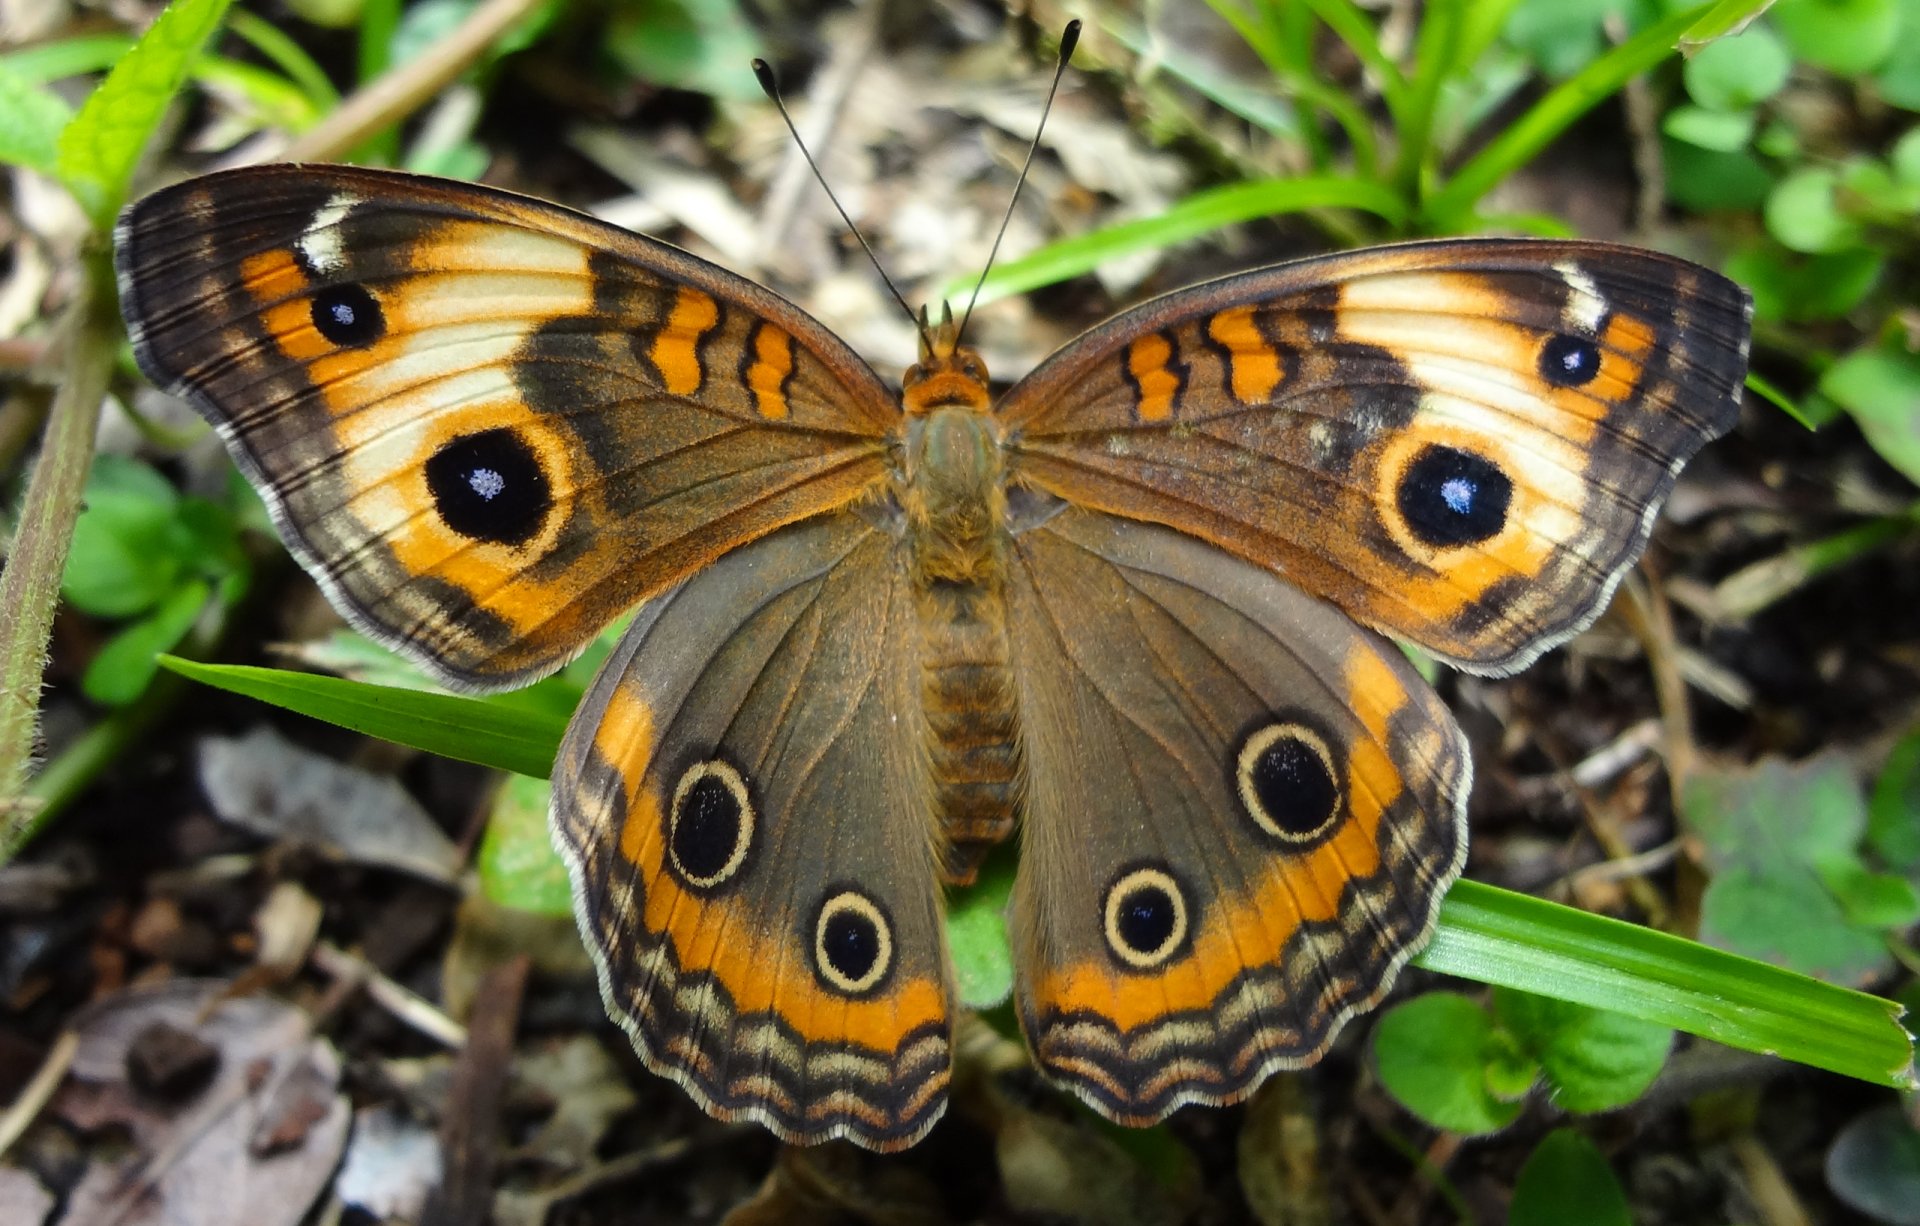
<point x="770" y="85"/>
<point x="1068" y="38"/>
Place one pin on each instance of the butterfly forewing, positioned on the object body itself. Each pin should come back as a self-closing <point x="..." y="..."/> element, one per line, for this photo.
<point x="1463" y="443"/>
<point x="488" y="424"/>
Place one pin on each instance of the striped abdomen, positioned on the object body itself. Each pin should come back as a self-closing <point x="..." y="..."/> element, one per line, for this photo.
<point x="967" y="691"/>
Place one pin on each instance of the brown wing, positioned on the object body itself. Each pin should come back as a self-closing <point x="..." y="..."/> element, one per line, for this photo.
<point x="486" y="424"/>
<point x="1463" y="443"/>
<point x="1242" y="813"/>
<point x="743" y="800"/>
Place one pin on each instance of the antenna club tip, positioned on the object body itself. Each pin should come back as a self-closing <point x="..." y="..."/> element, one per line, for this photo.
<point x="763" y="73"/>
<point x="1069" y="39"/>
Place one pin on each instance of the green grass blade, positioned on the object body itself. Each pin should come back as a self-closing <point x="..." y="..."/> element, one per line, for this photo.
<point x="289" y="57"/>
<point x="1354" y="28"/>
<point x="1196" y="215"/>
<point x="99" y="149"/>
<point x="1435" y="52"/>
<point x="470" y="729"/>
<point x="1523" y="140"/>
<point x="1725" y="17"/>
<point x="1499" y="937"/>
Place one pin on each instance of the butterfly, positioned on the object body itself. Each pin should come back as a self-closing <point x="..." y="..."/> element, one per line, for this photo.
<point x="1135" y="605"/>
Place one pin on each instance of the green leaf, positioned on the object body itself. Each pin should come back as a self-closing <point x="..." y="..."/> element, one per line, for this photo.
<point x="1803" y="212"/>
<point x="518" y="866"/>
<point x="1845" y="37"/>
<point x="1893" y="811"/>
<point x="1898" y="80"/>
<point x="1591" y="1059"/>
<point x="1904" y="157"/>
<point x="1789" y="287"/>
<point x="1510" y="940"/>
<point x="125" y="556"/>
<point x="1880" y="388"/>
<point x="1198" y="214"/>
<point x="469" y="729"/>
<point x="977" y="936"/>
<point x="1721" y="131"/>
<point x="99" y="149"/>
<point x="30" y="122"/>
<point x="1521" y="141"/>
<point x="1432" y="1053"/>
<point x="1567" y="1182"/>
<point x="121" y="669"/>
<point x="1869" y="899"/>
<point x="1874" y="1166"/>
<point x="703" y="45"/>
<point x="1706" y="180"/>
<point x="1740" y="72"/>
<point x="1768" y="832"/>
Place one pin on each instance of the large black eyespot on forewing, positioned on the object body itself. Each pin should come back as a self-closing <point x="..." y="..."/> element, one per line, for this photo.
<point x="348" y="316"/>
<point x="1449" y="497"/>
<point x="1569" y="361"/>
<point x="490" y="486"/>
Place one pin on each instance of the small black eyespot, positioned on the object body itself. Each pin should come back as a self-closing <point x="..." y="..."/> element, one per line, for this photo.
<point x="1451" y="497"/>
<point x="490" y="486"/>
<point x="1146" y="917"/>
<point x="1286" y="781"/>
<point x="852" y="943"/>
<point x="710" y="826"/>
<point x="348" y="316"/>
<point x="1569" y="361"/>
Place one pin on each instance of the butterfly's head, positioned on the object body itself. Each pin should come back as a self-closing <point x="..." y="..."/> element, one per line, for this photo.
<point x="947" y="374"/>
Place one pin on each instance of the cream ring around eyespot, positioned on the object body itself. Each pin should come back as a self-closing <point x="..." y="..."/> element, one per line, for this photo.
<point x="744" y="823"/>
<point x="851" y="903"/>
<point x="1129" y="886"/>
<point x="1254" y="747"/>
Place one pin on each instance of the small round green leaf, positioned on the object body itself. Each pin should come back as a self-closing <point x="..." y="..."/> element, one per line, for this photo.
<point x="1721" y="131"/>
<point x="1845" y="37"/>
<point x="977" y="937"/>
<point x="1803" y="213"/>
<point x="1704" y="180"/>
<point x="1880" y="388"/>
<point x="1432" y="1054"/>
<point x="1735" y="73"/>
<point x="1567" y="1182"/>
<point x="518" y="865"/>
<point x="1874" y="1166"/>
<point x="1790" y="287"/>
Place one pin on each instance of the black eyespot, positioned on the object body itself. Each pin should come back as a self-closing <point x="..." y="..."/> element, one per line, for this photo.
<point x="1452" y="497"/>
<point x="1569" y="361"/>
<point x="1287" y="781"/>
<point x="710" y="826"/>
<point x="489" y="486"/>
<point x="1146" y="917"/>
<point x="348" y="316"/>
<point x="852" y="943"/>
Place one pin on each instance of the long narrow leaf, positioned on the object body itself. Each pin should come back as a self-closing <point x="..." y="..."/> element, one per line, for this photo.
<point x="1521" y="142"/>
<point x="100" y="147"/>
<point x="470" y="729"/>
<point x="1196" y="215"/>
<point x="1512" y="940"/>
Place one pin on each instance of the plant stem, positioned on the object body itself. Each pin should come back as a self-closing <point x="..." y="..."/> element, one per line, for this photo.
<point x="30" y="585"/>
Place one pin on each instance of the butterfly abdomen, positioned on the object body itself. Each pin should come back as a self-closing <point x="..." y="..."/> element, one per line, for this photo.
<point x="956" y="514"/>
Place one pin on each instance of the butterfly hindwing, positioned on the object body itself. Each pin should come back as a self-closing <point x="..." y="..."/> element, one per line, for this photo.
<point x="1461" y="442"/>
<point x="747" y="820"/>
<point x="488" y="424"/>
<point x="1242" y="813"/>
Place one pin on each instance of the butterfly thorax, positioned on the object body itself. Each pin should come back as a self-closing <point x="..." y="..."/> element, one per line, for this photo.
<point x="952" y="489"/>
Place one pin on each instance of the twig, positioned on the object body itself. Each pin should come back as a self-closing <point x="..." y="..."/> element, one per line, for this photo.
<point x="469" y="1130"/>
<point x="22" y="1111"/>
<point x="391" y="97"/>
<point x="409" y="1007"/>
